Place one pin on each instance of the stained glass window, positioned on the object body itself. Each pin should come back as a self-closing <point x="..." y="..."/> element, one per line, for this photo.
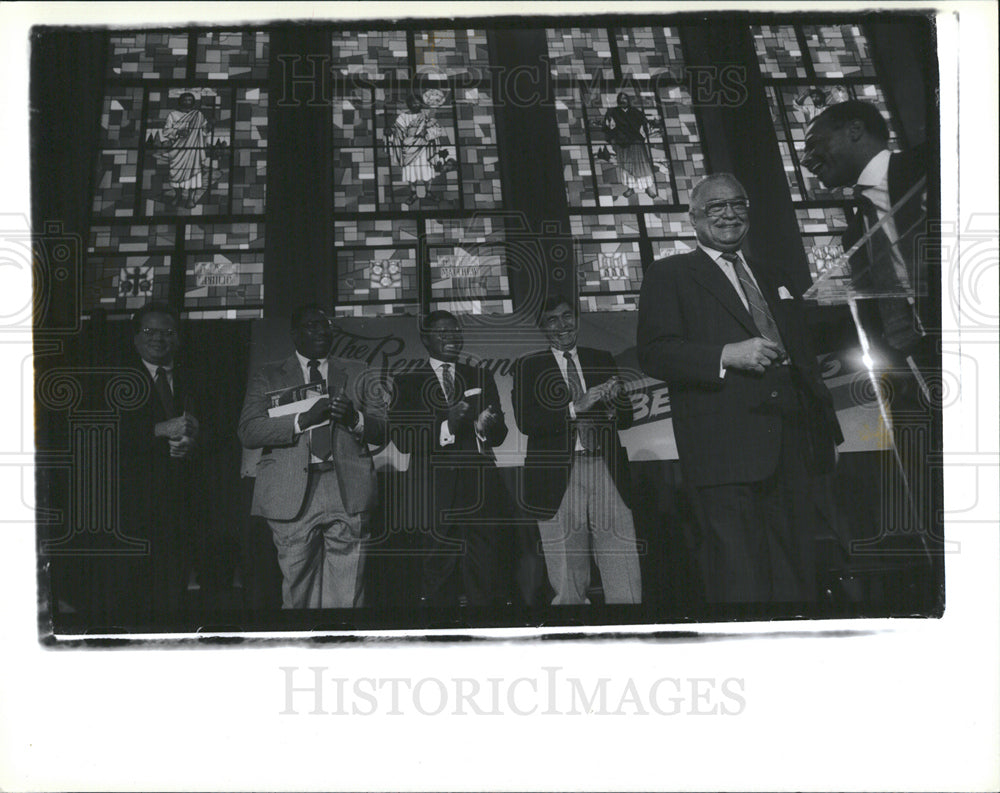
<point x="806" y="69"/>
<point x="631" y="150"/>
<point x="414" y="134"/>
<point x="180" y="146"/>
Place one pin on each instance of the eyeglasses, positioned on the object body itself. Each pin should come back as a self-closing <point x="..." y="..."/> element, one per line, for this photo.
<point x="716" y="209"/>
<point x="166" y="333"/>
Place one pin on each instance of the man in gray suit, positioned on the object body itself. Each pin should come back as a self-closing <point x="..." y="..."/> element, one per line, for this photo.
<point x="315" y="481"/>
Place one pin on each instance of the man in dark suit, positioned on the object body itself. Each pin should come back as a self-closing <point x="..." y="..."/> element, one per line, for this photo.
<point x="752" y="419"/>
<point x="446" y="415"/>
<point x="158" y="445"/>
<point x="846" y="146"/>
<point x="315" y="480"/>
<point x="570" y="402"/>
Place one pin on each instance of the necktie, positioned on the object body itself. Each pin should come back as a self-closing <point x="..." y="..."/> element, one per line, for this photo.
<point x="881" y="276"/>
<point x="166" y="394"/>
<point x="448" y="379"/>
<point x="759" y="310"/>
<point x="585" y="433"/>
<point x="319" y="437"/>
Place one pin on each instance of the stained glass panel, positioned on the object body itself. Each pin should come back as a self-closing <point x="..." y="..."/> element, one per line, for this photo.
<point x="647" y="52"/>
<point x="578" y="52"/>
<point x="240" y="236"/>
<point x="371" y="54"/>
<point x="125" y="283"/>
<point x="130" y="239"/>
<point x="232" y="55"/>
<point x="778" y="51"/>
<point x="231" y="279"/>
<point x="376" y="274"/>
<point x="151" y="56"/>
<point x="451" y="53"/>
<point x="375" y="232"/>
<point x="839" y="51"/>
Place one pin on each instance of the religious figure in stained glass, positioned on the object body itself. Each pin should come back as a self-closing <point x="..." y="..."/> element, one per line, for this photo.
<point x="187" y="141"/>
<point x="627" y="130"/>
<point x="415" y="144"/>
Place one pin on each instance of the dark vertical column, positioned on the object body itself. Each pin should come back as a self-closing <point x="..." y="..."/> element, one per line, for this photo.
<point x="905" y="59"/>
<point x="729" y="97"/>
<point x="531" y="168"/>
<point x="299" y="249"/>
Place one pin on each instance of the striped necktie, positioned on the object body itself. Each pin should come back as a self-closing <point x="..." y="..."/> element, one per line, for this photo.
<point x="759" y="310"/>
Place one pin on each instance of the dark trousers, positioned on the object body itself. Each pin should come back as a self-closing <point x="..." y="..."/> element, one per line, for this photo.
<point x="469" y="558"/>
<point x="756" y="541"/>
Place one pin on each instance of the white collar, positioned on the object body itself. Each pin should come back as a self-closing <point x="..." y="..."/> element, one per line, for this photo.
<point x="717" y="255"/>
<point x="304" y="362"/>
<point x="876" y="172"/>
<point x="152" y="367"/>
<point x="436" y="364"/>
<point x="560" y="354"/>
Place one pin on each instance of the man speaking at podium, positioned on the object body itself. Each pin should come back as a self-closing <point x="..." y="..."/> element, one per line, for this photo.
<point x="315" y="481"/>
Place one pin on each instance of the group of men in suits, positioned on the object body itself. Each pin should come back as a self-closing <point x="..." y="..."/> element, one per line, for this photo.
<point x="755" y="427"/>
<point x="445" y="414"/>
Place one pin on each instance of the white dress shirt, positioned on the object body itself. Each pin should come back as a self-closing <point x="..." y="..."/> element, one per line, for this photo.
<point x="561" y="362"/>
<point x="729" y="271"/>
<point x="324" y="369"/>
<point x="168" y="370"/>
<point x="873" y="183"/>
<point x="445" y="436"/>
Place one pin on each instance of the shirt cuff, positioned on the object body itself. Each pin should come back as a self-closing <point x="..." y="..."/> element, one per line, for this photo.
<point x="296" y="428"/>
<point x="722" y="369"/>
<point x="572" y="410"/>
<point x="445" y="437"/>
<point x="359" y="428"/>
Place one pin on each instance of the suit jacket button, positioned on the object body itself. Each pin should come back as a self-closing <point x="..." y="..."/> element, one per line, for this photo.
<point x="774" y="395"/>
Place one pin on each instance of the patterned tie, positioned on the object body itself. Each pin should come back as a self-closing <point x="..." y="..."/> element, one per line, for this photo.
<point x="585" y="433"/>
<point x="881" y="276"/>
<point x="759" y="310"/>
<point x="320" y="442"/>
<point x="448" y="379"/>
<point x="166" y="394"/>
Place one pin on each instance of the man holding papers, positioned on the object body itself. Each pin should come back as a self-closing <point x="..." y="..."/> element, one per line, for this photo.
<point x="313" y="417"/>
<point x="446" y="415"/>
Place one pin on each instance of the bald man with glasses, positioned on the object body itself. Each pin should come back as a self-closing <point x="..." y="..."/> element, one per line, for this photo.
<point x="753" y="421"/>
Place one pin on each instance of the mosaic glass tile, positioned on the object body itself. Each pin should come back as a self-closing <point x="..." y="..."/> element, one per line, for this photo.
<point x="474" y="307"/>
<point x="664" y="248"/>
<point x="121" y="118"/>
<point x="817" y="220"/>
<point x="376" y="310"/>
<point x="603" y="227"/>
<point x="354" y="188"/>
<point x="668" y="224"/>
<point x="384" y="274"/>
<point x="822" y="251"/>
<point x="231" y="55"/>
<point x="839" y="51"/>
<point x="114" y="193"/>
<point x="778" y="51"/>
<point x="125" y="283"/>
<point x="130" y="239"/>
<point x="872" y="93"/>
<point x="451" y="53"/>
<point x="375" y="232"/>
<point x="477" y="229"/>
<point x="224" y="280"/>
<point x="594" y="303"/>
<point x="250" y="128"/>
<point x="249" y="181"/>
<point x="151" y="56"/>
<point x="371" y="54"/>
<point x="579" y="52"/>
<point x="227" y="313"/>
<point x="242" y="236"/>
<point x="353" y="119"/>
<point x="647" y="52"/>
<point x="477" y="146"/>
<point x="687" y="162"/>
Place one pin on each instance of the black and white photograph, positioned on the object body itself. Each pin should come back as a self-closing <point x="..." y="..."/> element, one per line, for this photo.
<point x="649" y="348"/>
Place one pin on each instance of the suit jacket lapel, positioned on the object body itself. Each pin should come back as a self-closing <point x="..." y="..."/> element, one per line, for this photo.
<point x="707" y="273"/>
